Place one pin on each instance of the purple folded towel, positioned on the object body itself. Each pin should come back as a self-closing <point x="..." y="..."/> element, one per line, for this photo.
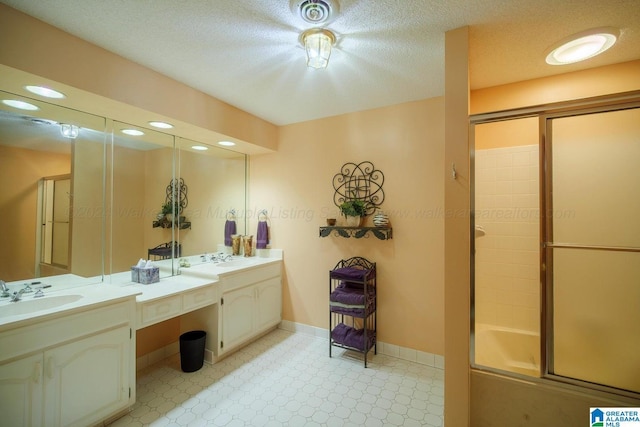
<point x="345" y="295"/>
<point x="352" y="337"/>
<point x="229" y="230"/>
<point x="262" y="235"/>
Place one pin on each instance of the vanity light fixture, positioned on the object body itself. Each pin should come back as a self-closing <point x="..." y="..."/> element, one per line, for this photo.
<point x="69" y="131"/>
<point x="132" y="132"/>
<point x="45" y="91"/>
<point x="161" y="125"/>
<point x="227" y="143"/>
<point x="317" y="43"/>
<point x="199" y="147"/>
<point x="581" y="46"/>
<point x="19" y="104"/>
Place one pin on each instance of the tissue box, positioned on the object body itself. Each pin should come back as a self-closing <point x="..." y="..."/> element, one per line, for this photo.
<point x="145" y="275"/>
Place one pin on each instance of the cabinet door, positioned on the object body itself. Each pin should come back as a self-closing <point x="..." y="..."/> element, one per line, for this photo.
<point x="269" y="303"/>
<point x="238" y="316"/>
<point x="88" y="379"/>
<point x="21" y="392"/>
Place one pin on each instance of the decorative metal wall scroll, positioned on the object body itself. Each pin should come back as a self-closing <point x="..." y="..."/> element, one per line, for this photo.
<point x="177" y="192"/>
<point x="359" y="182"/>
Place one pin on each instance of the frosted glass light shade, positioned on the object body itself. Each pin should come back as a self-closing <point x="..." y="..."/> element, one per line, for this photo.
<point x="317" y="43"/>
<point x="582" y="46"/>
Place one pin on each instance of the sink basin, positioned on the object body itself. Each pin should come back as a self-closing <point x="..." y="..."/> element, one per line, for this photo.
<point x="235" y="263"/>
<point x="27" y="306"/>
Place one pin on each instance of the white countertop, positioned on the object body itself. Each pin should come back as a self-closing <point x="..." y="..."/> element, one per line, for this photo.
<point x="65" y="285"/>
<point x="118" y="286"/>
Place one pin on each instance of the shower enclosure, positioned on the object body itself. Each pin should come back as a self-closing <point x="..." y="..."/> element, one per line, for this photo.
<point x="556" y="243"/>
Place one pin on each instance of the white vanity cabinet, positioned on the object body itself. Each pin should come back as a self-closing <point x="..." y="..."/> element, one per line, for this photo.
<point x="71" y="370"/>
<point x="250" y="304"/>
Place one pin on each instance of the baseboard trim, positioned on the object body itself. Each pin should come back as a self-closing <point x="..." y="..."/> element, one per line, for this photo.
<point x="404" y="353"/>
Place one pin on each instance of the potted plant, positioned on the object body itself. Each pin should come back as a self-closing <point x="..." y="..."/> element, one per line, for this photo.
<point x="169" y="208"/>
<point x="354" y="211"/>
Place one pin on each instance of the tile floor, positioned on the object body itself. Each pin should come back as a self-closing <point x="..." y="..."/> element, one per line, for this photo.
<point x="288" y="379"/>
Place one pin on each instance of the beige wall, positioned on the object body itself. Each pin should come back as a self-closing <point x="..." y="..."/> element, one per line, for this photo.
<point x="457" y="242"/>
<point x="20" y="170"/>
<point x="406" y="143"/>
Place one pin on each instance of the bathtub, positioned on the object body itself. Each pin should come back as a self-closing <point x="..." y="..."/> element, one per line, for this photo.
<point x="508" y="349"/>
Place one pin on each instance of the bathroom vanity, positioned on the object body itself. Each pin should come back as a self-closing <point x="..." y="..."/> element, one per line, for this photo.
<point x="236" y="300"/>
<point x="55" y="350"/>
<point x="51" y="357"/>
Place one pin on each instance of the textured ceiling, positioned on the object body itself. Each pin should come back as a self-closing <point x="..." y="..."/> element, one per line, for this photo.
<point x="246" y="52"/>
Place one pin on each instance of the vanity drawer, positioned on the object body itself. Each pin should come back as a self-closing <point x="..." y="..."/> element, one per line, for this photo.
<point x="199" y="298"/>
<point x="157" y="311"/>
<point x="251" y="276"/>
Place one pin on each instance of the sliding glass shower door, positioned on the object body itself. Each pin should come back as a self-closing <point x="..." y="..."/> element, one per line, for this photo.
<point x="591" y="245"/>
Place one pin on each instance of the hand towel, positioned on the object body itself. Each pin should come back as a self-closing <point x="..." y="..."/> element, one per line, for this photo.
<point x="262" y="235"/>
<point x="229" y="229"/>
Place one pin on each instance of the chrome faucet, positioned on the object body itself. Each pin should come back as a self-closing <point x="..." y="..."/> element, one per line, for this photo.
<point x="220" y="257"/>
<point x="4" y="289"/>
<point x="17" y="296"/>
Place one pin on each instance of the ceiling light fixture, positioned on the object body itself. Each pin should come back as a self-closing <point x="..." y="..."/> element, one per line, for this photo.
<point x="199" y="147"/>
<point x="45" y="91"/>
<point x="227" y="143"/>
<point x="581" y="46"/>
<point x="132" y="132"/>
<point x="19" y="104"/>
<point x="161" y="125"/>
<point x="69" y="131"/>
<point x="317" y="43"/>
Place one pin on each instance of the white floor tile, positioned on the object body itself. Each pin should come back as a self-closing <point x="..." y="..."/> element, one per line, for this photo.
<point x="287" y="379"/>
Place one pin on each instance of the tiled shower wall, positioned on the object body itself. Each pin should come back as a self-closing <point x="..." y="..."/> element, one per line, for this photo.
<point x="507" y="290"/>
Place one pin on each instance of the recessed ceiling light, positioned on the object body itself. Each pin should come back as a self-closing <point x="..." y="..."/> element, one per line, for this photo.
<point x="227" y="143"/>
<point x="45" y="91"/>
<point x="161" y="125"/>
<point x="581" y="46"/>
<point x="19" y="104"/>
<point x="200" y="147"/>
<point x="132" y="132"/>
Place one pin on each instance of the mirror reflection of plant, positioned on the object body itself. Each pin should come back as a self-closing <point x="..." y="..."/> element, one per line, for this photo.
<point x="169" y="208"/>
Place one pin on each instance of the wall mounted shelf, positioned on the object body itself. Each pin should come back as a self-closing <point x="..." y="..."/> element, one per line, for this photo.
<point x="382" y="233"/>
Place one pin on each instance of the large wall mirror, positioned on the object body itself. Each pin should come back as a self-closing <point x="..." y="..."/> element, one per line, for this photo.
<point x="89" y="204"/>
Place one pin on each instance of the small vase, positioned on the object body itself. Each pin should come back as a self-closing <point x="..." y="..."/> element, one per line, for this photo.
<point x="380" y="219"/>
<point x="248" y="245"/>
<point x="354" y="221"/>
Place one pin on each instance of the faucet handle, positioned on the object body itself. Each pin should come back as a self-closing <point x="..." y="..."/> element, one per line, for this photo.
<point x="17" y="296"/>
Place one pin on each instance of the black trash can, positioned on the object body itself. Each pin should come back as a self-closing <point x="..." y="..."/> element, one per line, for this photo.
<point x="192" y="350"/>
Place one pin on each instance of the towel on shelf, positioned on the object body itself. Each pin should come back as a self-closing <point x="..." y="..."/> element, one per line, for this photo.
<point x="354" y="338"/>
<point x="262" y="235"/>
<point x="229" y="230"/>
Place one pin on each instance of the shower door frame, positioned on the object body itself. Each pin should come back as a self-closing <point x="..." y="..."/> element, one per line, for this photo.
<point x="548" y="245"/>
<point x="544" y="113"/>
